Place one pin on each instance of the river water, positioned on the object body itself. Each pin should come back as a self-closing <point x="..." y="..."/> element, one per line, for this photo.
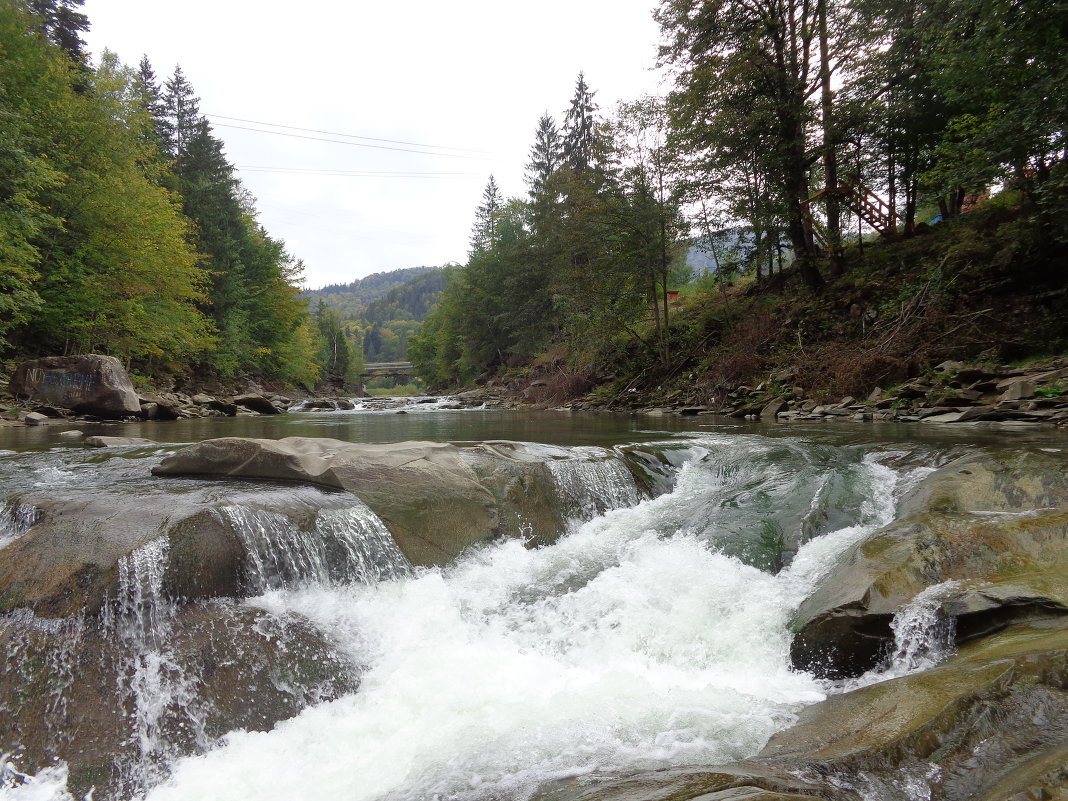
<point x="654" y="633"/>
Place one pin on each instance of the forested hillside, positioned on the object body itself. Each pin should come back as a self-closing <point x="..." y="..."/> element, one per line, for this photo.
<point x="380" y="312"/>
<point x="351" y="299"/>
<point x="831" y="133"/>
<point x="123" y="229"/>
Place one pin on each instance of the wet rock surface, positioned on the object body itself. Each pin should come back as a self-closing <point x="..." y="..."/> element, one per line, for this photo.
<point x="435" y="498"/>
<point x="63" y="678"/>
<point x="991" y="723"/>
<point x="997" y="525"/>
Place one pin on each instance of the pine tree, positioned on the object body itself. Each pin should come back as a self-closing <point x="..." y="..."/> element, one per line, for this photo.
<point x="580" y="127"/>
<point x="484" y="231"/>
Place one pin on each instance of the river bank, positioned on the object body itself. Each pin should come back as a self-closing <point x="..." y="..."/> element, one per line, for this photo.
<point x="1034" y="394"/>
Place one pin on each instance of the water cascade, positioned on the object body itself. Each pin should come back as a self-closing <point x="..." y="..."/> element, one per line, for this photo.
<point x="654" y="633"/>
<point x="630" y="643"/>
<point x="15" y="519"/>
<point x="590" y="487"/>
<point x="346" y="544"/>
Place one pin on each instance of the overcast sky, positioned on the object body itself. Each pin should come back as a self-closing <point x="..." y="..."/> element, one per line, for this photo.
<point x="462" y="82"/>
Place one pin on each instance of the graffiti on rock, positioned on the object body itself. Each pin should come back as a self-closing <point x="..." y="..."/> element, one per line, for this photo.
<point x="59" y="386"/>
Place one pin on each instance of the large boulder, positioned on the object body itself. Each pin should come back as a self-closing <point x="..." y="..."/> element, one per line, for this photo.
<point x="87" y="384"/>
<point x="435" y="498"/>
<point x="994" y="524"/>
<point x="256" y="403"/>
<point x="429" y="498"/>
<point x="68" y="562"/>
<point x="213" y="542"/>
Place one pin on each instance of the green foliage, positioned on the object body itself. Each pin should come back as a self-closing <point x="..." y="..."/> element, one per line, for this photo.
<point x="105" y="245"/>
<point x="351" y="299"/>
<point x="1051" y="391"/>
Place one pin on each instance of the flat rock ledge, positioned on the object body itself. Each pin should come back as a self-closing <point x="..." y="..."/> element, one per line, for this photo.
<point x="436" y="499"/>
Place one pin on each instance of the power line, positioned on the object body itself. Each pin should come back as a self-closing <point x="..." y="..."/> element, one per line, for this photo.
<point x="354" y="173"/>
<point x="356" y="144"/>
<point x="350" y="136"/>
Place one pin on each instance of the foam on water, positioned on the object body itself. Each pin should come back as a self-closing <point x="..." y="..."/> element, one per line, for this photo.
<point x="622" y="646"/>
<point x="50" y="784"/>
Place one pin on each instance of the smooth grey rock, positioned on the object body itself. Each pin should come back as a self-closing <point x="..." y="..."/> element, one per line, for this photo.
<point x="117" y="442"/>
<point x="256" y="403"/>
<point x="1018" y="390"/>
<point x="772" y="409"/>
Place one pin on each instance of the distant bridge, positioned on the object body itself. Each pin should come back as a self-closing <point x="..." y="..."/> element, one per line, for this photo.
<point x="388" y="370"/>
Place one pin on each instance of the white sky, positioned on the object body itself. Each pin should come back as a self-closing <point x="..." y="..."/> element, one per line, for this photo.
<point x="472" y="74"/>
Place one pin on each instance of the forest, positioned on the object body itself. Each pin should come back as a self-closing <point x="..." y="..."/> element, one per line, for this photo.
<point x="800" y="142"/>
<point x="823" y="133"/>
<point x="377" y="314"/>
<point x="123" y="228"/>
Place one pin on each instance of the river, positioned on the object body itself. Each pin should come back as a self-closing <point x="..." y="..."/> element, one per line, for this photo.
<point x="654" y="632"/>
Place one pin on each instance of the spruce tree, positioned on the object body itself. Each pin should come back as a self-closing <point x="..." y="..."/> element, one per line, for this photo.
<point x="546" y="155"/>
<point x="580" y="127"/>
<point x="152" y="98"/>
<point x="62" y="24"/>
<point x="181" y="115"/>
<point x="484" y="231"/>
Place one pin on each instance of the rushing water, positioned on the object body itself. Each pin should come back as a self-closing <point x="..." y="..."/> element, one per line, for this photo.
<point x="653" y="633"/>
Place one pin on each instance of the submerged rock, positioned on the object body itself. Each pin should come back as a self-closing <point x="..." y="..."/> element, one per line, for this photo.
<point x="117" y="442"/>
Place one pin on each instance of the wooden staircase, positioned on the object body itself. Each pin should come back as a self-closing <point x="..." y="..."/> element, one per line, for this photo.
<point x="858" y="199"/>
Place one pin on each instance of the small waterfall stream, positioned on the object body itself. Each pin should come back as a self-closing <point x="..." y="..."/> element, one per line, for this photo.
<point x="654" y="633"/>
<point x="349" y="544"/>
<point x="15" y="520"/>
<point x="590" y="487"/>
<point x="923" y="638"/>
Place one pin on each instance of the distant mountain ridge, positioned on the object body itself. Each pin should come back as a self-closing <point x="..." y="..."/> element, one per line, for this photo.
<point x="350" y="300"/>
<point x="380" y="312"/>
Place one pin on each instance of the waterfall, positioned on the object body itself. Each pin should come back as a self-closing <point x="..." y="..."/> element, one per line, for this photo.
<point x="589" y="487"/>
<point x="158" y="691"/>
<point x="343" y="545"/>
<point x="923" y="635"/>
<point x="16" y="518"/>
<point x="655" y="633"/>
<point x="923" y="638"/>
<point x="630" y="643"/>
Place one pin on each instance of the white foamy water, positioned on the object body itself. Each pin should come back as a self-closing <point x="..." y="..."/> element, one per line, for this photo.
<point x="923" y="638"/>
<point x="622" y="646"/>
<point x="50" y="784"/>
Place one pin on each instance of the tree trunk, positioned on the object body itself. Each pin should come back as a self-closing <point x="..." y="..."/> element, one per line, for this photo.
<point x="830" y="158"/>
